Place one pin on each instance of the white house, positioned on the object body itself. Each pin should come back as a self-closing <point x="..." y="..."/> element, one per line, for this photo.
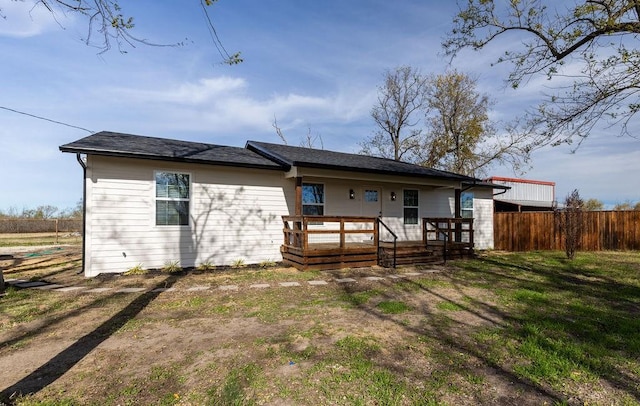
<point x="149" y="201"/>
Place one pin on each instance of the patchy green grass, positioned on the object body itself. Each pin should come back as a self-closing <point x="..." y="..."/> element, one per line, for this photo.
<point x="23" y="306"/>
<point x="523" y="328"/>
<point x="393" y="307"/>
<point x="359" y="298"/>
<point x="571" y="321"/>
<point x="235" y="387"/>
<point x="449" y="306"/>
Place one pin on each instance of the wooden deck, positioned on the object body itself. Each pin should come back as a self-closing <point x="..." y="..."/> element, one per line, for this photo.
<point x="355" y="243"/>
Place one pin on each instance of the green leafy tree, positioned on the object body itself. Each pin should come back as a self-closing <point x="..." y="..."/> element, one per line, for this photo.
<point x="460" y="137"/>
<point x="593" y="205"/>
<point x="598" y="38"/>
<point x="109" y="25"/>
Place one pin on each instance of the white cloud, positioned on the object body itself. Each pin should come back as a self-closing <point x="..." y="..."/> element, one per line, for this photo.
<point x="227" y="105"/>
<point x="26" y="19"/>
<point x="201" y="92"/>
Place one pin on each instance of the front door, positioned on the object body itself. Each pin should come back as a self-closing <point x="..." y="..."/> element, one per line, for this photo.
<point x="371" y="202"/>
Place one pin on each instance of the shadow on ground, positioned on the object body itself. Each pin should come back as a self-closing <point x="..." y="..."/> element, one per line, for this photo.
<point x="57" y="366"/>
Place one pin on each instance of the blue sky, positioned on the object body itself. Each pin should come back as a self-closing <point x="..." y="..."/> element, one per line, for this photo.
<point x="313" y="65"/>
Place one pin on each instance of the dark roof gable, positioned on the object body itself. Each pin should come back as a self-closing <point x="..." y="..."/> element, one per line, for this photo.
<point x="314" y="158"/>
<point x="135" y="146"/>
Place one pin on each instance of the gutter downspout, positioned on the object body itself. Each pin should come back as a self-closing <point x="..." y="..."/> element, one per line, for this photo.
<point x="500" y="193"/>
<point x="84" y="208"/>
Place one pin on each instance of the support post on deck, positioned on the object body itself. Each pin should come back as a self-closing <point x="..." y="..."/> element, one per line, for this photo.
<point x="305" y="234"/>
<point x="298" y="204"/>
<point x="297" y="226"/>
<point x="458" y="214"/>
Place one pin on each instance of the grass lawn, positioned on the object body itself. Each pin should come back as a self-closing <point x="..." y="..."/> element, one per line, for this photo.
<point x="512" y="328"/>
<point x="36" y="239"/>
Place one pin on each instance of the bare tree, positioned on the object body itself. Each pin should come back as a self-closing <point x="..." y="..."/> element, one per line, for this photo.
<point x="600" y="37"/>
<point x="624" y="206"/>
<point x="309" y="140"/>
<point x="458" y="137"/>
<point x="108" y="25"/>
<point x="570" y="219"/>
<point x="399" y="109"/>
<point x="279" y="131"/>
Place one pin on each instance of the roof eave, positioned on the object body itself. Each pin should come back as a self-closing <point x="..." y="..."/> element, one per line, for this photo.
<point x="152" y="157"/>
<point x="455" y="178"/>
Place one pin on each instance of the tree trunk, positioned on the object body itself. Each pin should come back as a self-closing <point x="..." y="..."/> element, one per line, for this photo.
<point x="1" y="281"/>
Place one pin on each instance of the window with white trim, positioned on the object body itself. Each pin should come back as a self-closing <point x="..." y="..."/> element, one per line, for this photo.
<point x="172" y="198"/>
<point x="466" y="204"/>
<point x="410" y="201"/>
<point x="313" y="199"/>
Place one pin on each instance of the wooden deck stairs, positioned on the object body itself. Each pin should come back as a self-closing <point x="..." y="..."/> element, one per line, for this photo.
<point x="416" y="253"/>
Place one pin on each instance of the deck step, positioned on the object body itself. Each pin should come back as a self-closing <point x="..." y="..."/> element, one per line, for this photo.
<point x="420" y="255"/>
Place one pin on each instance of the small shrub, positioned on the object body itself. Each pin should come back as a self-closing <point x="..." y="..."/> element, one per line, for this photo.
<point x="205" y="266"/>
<point x="172" y="266"/>
<point x="136" y="270"/>
<point x="238" y="263"/>
<point x="267" y="263"/>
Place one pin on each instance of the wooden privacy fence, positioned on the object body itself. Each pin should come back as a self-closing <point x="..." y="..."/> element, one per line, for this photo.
<point x="601" y="231"/>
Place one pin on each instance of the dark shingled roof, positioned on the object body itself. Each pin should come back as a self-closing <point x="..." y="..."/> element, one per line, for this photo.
<point x="135" y="146"/>
<point x="256" y="155"/>
<point x="314" y="158"/>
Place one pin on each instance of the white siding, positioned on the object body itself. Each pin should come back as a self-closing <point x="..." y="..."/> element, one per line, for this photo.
<point x="433" y="202"/>
<point x="338" y="203"/>
<point x="234" y="214"/>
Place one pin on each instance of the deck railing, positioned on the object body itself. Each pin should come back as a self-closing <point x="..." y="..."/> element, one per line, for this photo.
<point x="331" y="242"/>
<point x="327" y="229"/>
<point x="452" y="232"/>
<point x="395" y="241"/>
